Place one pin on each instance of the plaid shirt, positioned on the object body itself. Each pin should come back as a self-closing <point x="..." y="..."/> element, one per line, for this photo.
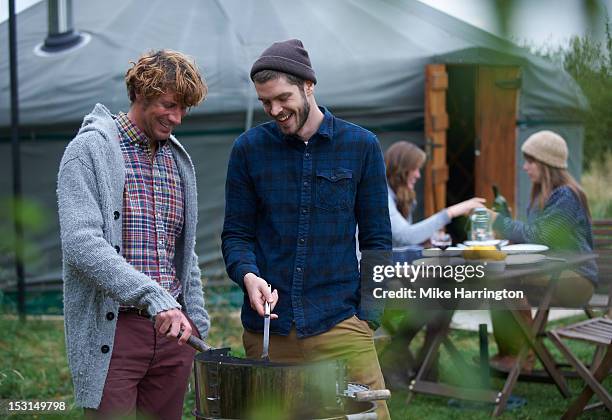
<point x="290" y="217"/>
<point x="152" y="206"/>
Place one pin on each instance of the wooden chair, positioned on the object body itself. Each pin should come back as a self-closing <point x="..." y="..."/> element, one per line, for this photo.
<point x="597" y="331"/>
<point x="602" y="241"/>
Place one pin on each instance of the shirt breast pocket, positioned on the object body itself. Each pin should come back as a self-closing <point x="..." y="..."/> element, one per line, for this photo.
<point x="334" y="189"/>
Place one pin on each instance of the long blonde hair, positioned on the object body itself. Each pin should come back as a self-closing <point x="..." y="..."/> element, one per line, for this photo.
<point x="550" y="179"/>
<point x="401" y="158"/>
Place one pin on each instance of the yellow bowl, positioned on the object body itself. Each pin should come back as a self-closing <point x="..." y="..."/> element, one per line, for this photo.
<point x="481" y="252"/>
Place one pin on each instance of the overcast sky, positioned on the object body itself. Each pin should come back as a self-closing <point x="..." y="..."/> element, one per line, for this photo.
<point x="19" y="5"/>
<point x="536" y="22"/>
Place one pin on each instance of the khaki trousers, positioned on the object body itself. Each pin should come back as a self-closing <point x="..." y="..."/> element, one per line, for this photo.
<point x="350" y="340"/>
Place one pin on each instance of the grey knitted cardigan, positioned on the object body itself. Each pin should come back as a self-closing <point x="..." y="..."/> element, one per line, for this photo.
<point x="96" y="277"/>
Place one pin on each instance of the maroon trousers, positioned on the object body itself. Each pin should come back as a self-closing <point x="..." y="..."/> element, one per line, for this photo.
<point x="147" y="375"/>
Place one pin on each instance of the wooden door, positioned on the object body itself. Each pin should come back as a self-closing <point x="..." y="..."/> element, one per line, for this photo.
<point x="497" y="91"/>
<point x="436" y="123"/>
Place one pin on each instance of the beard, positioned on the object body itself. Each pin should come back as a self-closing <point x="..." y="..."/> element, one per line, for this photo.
<point x="302" y="115"/>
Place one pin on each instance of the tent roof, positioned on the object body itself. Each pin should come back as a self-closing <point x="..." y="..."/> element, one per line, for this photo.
<point x="367" y="55"/>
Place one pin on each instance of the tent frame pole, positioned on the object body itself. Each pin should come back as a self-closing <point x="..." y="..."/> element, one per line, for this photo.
<point x="16" y="202"/>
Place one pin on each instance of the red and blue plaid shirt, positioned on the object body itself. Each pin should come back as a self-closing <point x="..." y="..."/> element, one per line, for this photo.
<point x="153" y="206"/>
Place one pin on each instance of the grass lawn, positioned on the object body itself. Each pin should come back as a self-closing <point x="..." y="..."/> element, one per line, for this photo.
<point x="33" y="366"/>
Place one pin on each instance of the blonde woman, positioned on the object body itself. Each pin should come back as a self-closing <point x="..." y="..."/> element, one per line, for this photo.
<point x="403" y="162"/>
<point x="558" y="216"/>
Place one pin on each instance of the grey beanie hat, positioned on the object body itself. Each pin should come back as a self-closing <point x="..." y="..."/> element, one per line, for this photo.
<point x="548" y="147"/>
<point x="287" y="57"/>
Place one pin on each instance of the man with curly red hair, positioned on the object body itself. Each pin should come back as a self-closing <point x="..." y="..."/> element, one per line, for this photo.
<point x="128" y="214"/>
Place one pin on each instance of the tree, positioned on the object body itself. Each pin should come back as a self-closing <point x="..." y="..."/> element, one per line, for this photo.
<point x="590" y="64"/>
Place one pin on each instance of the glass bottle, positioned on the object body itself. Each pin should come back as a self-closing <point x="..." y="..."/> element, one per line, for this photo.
<point x="481" y="229"/>
<point x="500" y="205"/>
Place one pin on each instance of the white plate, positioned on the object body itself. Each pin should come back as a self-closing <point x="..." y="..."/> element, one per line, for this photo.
<point x="451" y="251"/>
<point x="522" y="259"/>
<point x="489" y="265"/>
<point x="439" y="261"/>
<point x="491" y="242"/>
<point x="524" y="249"/>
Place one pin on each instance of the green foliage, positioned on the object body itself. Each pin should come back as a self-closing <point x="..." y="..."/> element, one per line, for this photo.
<point x="30" y="216"/>
<point x="589" y="62"/>
<point x="596" y="183"/>
<point x="34" y="366"/>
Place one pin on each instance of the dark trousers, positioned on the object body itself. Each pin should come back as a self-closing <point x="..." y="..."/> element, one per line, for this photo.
<point x="147" y="375"/>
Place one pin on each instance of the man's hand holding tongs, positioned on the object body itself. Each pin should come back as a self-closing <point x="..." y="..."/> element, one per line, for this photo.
<point x="259" y="293"/>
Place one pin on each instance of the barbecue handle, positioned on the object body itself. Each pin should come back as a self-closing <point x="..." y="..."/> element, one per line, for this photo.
<point x="193" y="341"/>
<point x="198" y="344"/>
<point x="378" y="394"/>
<point x="362" y="416"/>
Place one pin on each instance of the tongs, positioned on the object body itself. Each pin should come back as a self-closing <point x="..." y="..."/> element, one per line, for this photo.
<point x="266" y="333"/>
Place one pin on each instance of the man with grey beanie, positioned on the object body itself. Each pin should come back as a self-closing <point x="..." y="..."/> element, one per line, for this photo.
<point x="296" y="189"/>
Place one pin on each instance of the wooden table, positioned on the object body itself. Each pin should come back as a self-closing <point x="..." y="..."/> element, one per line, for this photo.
<point x="533" y="335"/>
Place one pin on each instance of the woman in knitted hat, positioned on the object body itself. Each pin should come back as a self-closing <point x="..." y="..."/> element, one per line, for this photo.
<point x="558" y="216"/>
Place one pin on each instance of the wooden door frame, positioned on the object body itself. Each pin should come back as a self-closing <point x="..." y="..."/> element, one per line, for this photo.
<point x="436" y="123"/>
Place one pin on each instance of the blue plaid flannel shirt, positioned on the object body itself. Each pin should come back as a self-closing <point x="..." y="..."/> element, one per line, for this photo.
<point x="290" y="216"/>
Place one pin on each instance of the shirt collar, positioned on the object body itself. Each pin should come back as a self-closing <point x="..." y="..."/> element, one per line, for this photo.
<point x="325" y="130"/>
<point x="134" y="134"/>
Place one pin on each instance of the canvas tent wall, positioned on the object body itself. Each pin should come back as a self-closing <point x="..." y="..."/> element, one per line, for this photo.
<point x="369" y="58"/>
